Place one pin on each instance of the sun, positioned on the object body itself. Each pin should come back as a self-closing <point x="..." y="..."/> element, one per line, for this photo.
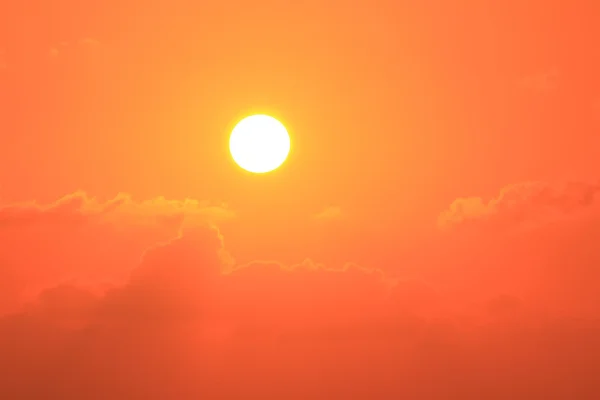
<point x="259" y="143"/>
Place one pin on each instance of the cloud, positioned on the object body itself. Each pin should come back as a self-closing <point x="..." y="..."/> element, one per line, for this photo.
<point x="330" y="213"/>
<point x="81" y="238"/>
<point x="496" y="316"/>
<point x="79" y="206"/>
<point x="534" y="239"/>
<point x="525" y="203"/>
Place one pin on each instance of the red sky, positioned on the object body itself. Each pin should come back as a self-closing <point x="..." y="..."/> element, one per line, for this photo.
<point x="433" y="235"/>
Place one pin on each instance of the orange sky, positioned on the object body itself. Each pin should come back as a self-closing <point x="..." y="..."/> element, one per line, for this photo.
<point x="437" y="220"/>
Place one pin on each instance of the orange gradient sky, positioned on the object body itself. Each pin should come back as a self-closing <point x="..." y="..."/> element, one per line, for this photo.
<point x="433" y="233"/>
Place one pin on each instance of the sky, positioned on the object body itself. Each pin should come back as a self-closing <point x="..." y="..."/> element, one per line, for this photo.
<point x="433" y="233"/>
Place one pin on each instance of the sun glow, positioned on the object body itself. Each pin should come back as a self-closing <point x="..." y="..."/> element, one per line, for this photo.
<point x="259" y="143"/>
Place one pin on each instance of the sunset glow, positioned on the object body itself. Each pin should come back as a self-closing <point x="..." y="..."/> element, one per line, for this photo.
<point x="300" y="200"/>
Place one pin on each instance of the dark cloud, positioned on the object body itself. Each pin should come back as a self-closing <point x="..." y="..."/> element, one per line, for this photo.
<point x="493" y="315"/>
<point x="534" y="240"/>
<point x="78" y="238"/>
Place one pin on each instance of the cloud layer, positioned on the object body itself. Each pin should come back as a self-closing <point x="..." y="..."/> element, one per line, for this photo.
<point x="138" y="300"/>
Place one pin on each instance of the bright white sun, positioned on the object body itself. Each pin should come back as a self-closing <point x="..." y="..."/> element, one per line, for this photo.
<point x="259" y="143"/>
